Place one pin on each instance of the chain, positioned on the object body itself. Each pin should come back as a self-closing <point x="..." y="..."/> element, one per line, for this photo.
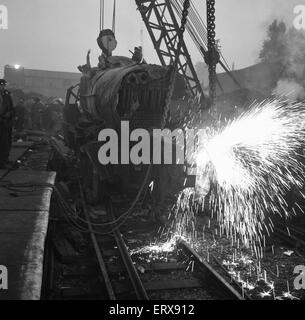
<point x="173" y="71"/>
<point x="213" y="55"/>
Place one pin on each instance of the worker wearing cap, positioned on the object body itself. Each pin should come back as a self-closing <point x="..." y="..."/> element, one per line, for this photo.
<point x="138" y="55"/>
<point x="107" y="43"/>
<point x="6" y="124"/>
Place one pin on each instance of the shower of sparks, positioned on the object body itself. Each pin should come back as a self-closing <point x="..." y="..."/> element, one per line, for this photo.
<point x="158" y="248"/>
<point x="265" y="294"/>
<point x="289" y="296"/>
<point x="245" y="170"/>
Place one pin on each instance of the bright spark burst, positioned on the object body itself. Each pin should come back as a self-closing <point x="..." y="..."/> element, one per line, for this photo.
<point x="249" y="166"/>
<point x="265" y="294"/>
<point x="271" y="285"/>
<point x="289" y="296"/>
<point x="158" y="248"/>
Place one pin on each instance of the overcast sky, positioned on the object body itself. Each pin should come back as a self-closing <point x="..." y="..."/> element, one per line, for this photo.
<point x="56" y="34"/>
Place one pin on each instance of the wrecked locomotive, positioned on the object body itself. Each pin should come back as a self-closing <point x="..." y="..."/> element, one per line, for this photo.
<point x="123" y="90"/>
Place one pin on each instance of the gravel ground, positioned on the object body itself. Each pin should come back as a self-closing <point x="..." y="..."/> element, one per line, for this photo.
<point x="276" y="266"/>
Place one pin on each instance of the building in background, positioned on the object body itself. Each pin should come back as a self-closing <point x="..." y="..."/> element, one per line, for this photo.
<point x="46" y="83"/>
<point x="260" y="77"/>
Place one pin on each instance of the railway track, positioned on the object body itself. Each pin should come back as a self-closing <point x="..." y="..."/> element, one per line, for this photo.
<point x="109" y="246"/>
<point x="292" y="235"/>
<point x="123" y="280"/>
<point x="126" y="275"/>
<point x="218" y="273"/>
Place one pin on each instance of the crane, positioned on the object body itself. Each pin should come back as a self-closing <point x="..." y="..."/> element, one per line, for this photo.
<point x="160" y="19"/>
<point x="162" y="25"/>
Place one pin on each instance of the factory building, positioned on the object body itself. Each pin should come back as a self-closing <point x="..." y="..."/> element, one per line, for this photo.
<point x="47" y="83"/>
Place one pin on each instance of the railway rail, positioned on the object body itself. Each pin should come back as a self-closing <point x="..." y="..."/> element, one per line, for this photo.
<point x="292" y="235"/>
<point x="104" y="243"/>
<point x="123" y="280"/>
<point x="218" y="273"/>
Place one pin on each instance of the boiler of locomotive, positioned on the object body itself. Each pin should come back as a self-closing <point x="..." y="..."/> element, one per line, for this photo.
<point x="129" y="91"/>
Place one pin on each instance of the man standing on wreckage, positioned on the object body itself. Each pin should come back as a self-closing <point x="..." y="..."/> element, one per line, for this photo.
<point x="6" y="125"/>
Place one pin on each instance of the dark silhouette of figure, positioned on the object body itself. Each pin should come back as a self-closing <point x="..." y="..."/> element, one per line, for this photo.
<point x="138" y="55"/>
<point x="20" y="116"/>
<point x="36" y="111"/>
<point x="6" y="124"/>
<point x="47" y="118"/>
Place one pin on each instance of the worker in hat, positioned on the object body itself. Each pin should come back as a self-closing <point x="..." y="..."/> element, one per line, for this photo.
<point x="6" y="125"/>
<point x="138" y="55"/>
<point x="36" y="111"/>
<point x="107" y="43"/>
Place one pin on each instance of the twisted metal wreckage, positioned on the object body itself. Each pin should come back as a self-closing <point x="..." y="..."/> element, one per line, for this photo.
<point x="148" y="96"/>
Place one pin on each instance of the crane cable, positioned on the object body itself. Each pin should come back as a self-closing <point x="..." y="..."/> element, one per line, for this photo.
<point x="192" y="28"/>
<point x="181" y="31"/>
<point x="198" y="31"/>
<point x="114" y="16"/>
<point x="212" y="54"/>
<point x="102" y="14"/>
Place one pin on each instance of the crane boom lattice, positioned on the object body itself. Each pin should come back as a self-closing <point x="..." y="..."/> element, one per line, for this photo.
<point x="163" y="28"/>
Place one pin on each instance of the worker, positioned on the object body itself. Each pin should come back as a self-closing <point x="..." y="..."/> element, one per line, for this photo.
<point x="6" y="125"/>
<point x="138" y="55"/>
<point x="36" y="110"/>
<point x="47" y="118"/>
<point x="20" y="115"/>
<point x="107" y="43"/>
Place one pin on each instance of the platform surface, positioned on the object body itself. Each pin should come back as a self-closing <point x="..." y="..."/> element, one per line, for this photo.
<point x="18" y="150"/>
<point x="24" y="214"/>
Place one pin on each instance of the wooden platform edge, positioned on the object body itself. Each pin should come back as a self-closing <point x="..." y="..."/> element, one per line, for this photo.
<point x="32" y="272"/>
